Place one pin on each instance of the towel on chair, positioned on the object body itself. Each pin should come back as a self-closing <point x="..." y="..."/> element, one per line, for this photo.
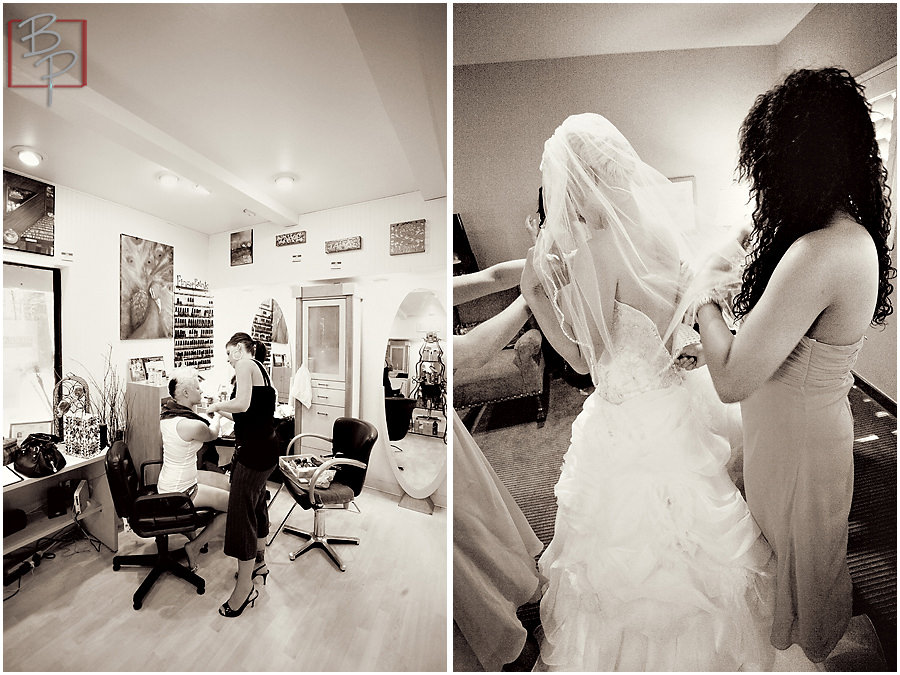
<point x="301" y="386"/>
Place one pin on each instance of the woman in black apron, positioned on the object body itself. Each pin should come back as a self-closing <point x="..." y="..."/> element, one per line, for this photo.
<point x="252" y="407"/>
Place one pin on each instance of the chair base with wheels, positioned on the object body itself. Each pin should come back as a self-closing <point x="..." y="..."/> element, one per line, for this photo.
<point x="319" y="538"/>
<point x="161" y="562"/>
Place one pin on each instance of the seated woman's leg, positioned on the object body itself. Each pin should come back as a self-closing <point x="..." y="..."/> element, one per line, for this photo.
<point x="214" y="479"/>
<point x="214" y="498"/>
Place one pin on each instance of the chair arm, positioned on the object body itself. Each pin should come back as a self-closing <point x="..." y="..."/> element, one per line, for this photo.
<point x="324" y="467"/>
<point x="170" y="509"/>
<point x="144" y="467"/>
<point x="310" y="435"/>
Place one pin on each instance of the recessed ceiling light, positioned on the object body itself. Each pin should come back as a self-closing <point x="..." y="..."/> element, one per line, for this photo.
<point x="167" y="179"/>
<point x="284" y="181"/>
<point x="28" y="156"/>
<point x="249" y="213"/>
<point x="200" y="189"/>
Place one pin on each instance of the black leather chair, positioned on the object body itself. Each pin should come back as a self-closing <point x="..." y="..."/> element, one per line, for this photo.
<point x="152" y="515"/>
<point x="352" y="442"/>
<point x="398" y="413"/>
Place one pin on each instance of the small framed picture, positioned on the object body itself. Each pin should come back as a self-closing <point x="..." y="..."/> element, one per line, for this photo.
<point x="290" y="238"/>
<point x="21" y="430"/>
<point x="241" y="248"/>
<point x="156" y="369"/>
<point x="137" y="370"/>
<point x="408" y="237"/>
<point x="345" y="244"/>
<point x="29" y="219"/>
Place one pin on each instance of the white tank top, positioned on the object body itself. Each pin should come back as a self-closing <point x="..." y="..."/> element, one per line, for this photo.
<point x="179" y="470"/>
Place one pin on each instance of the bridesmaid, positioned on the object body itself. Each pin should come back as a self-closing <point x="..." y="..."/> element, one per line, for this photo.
<point x="494" y="547"/>
<point x="817" y="276"/>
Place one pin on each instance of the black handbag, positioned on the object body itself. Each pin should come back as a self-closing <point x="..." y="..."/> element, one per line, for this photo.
<point x="38" y="457"/>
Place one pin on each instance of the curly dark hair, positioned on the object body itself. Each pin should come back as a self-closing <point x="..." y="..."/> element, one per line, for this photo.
<point x="808" y="150"/>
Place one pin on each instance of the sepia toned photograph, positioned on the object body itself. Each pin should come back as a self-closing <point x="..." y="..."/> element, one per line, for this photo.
<point x="30" y="214"/>
<point x="146" y="289"/>
<point x="242" y="248"/>
<point x="232" y="500"/>
<point x="674" y="344"/>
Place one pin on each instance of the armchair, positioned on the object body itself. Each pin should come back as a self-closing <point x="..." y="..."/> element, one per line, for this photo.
<point x="152" y="515"/>
<point x="517" y="371"/>
<point x="352" y="442"/>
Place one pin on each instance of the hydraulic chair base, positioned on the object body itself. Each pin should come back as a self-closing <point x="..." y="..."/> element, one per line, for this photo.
<point x="319" y="538"/>
<point x="161" y="563"/>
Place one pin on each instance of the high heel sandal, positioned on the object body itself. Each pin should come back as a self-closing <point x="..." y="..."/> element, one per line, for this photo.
<point x="257" y="573"/>
<point x="225" y="609"/>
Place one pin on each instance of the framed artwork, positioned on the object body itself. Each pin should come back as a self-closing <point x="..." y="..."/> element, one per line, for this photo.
<point x="683" y="194"/>
<point x="155" y="369"/>
<point x="290" y="238"/>
<point x="137" y="371"/>
<point x="28" y="221"/>
<point x="241" y="248"/>
<point x="21" y="430"/>
<point x="345" y="244"/>
<point x="146" y="289"/>
<point x="408" y="237"/>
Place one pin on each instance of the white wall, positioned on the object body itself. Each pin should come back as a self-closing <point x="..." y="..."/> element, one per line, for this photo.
<point x="382" y="282"/>
<point x="681" y="110"/>
<point x="855" y="36"/>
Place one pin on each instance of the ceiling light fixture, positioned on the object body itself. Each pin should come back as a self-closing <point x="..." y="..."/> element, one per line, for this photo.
<point x="250" y="213"/>
<point x="200" y="189"/>
<point x="284" y="181"/>
<point x="167" y="180"/>
<point x="28" y="156"/>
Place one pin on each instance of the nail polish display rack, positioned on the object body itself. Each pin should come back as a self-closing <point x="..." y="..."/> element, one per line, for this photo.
<point x="193" y="328"/>
<point x="262" y="327"/>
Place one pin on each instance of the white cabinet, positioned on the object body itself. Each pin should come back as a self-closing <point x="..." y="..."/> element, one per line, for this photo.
<point x="328" y="344"/>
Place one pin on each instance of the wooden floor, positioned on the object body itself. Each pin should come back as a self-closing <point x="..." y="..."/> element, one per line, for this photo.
<point x="387" y="612"/>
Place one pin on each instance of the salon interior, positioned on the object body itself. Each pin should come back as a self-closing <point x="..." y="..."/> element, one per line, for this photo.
<point x="677" y="81"/>
<point x="208" y="169"/>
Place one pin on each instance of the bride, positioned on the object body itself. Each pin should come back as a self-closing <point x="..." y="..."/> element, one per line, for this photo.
<point x="655" y="563"/>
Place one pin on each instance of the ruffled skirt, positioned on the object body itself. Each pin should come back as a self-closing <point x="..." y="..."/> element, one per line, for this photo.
<point x="656" y="563"/>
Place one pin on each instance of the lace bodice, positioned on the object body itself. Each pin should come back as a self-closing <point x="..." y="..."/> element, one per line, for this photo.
<point x="639" y="361"/>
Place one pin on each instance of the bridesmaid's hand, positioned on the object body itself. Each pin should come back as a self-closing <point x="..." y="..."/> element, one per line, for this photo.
<point x="691" y="357"/>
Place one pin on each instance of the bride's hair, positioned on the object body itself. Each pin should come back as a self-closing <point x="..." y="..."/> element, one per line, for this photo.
<point x="808" y="149"/>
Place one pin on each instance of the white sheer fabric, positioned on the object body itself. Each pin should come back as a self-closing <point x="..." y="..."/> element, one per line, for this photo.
<point x="612" y="233"/>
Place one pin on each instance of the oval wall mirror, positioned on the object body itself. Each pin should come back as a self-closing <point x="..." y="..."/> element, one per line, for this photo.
<point x="415" y="393"/>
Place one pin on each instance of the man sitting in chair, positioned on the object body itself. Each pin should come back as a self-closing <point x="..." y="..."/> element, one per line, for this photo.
<point x="183" y="433"/>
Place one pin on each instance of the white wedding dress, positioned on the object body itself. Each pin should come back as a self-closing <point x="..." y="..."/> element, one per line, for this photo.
<point x="656" y="563"/>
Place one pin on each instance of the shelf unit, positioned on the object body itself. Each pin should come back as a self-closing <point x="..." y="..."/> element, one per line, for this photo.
<point x="430" y="390"/>
<point x="193" y="329"/>
<point x="30" y="495"/>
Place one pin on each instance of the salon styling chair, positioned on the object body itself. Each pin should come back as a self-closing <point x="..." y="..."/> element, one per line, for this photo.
<point x="398" y="414"/>
<point x="352" y="441"/>
<point x="152" y="515"/>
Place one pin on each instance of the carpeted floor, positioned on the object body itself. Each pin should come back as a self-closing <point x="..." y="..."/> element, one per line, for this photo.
<point x="528" y="461"/>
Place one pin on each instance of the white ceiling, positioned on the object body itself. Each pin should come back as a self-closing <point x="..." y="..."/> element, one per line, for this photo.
<point x="349" y="98"/>
<point x="494" y="33"/>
